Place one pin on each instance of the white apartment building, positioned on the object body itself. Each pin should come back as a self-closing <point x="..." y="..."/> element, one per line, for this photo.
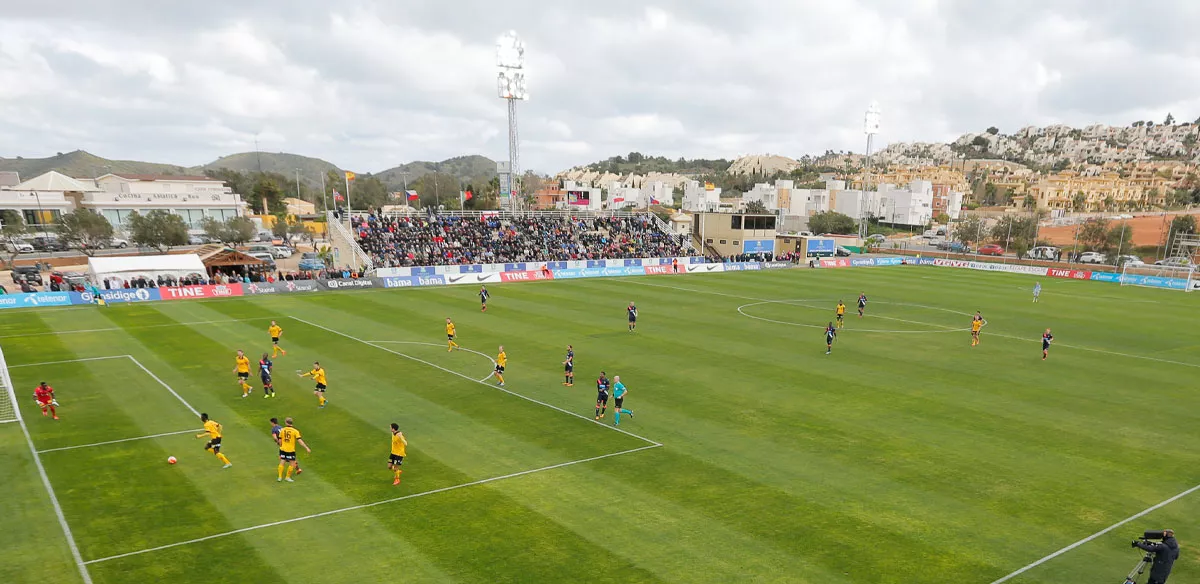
<point x="912" y="205"/>
<point x="582" y="196"/>
<point x="700" y="198"/>
<point x="658" y="193"/>
<point x="44" y="198"/>
<point x="620" y="196"/>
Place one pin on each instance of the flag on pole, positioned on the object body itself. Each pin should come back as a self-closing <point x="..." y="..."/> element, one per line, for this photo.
<point x="654" y="201"/>
<point x="709" y="186"/>
<point x="349" y="176"/>
<point x="468" y="196"/>
<point x="338" y="196"/>
<point x="412" y="195"/>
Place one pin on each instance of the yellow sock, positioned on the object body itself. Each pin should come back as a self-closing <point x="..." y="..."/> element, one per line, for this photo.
<point x="281" y="470"/>
<point x="397" y="473"/>
<point x="320" y="400"/>
<point x="289" y="472"/>
<point x="245" y="387"/>
<point x="222" y="458"/>
<point x="500" y="378"/>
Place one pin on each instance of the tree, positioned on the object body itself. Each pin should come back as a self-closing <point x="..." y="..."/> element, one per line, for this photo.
<point x="280" y="227"/>
<point x="1183" y="224"/>
<point x="1118" y="241"/>
<point x="969" y="231"/>
<point x="238" y="230"/>
<point x="266" y="192"/>
<point x="1093" y="235"/>
<point x="989" y="194"/>
<point x="831" y="222"/>
<point x="214" y="229"/>
<point x="298" y="229"/>
<point x="942" y="218"/>
<point x="1015" y="233"/>
<point x="980" y="141"/>
<point x="1109" y="202"/>
<point x="85" y="230"/>
<point x="756" y="207"/>
<point x="12" y="226"/>
<point x="159" y="229"/>
<point x="993" y="130"/>
<point x="1170" y="120"/>
<point x="1078" y="201"/>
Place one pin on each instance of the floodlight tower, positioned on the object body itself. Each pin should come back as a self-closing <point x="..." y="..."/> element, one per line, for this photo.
<point x="510" y="86"/>
<point x="870" y="128"/>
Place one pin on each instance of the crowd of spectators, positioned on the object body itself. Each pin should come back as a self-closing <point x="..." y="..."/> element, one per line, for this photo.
<point x="447" y="239"/>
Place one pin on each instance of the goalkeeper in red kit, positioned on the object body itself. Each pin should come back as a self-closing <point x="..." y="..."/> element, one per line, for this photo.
<point x="44" y="394"/>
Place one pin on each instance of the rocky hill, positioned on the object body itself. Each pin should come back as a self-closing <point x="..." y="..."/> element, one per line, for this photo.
<point x="473" y="168"/>
<point x="283" y="163"/>
<point x="82" y="164"/>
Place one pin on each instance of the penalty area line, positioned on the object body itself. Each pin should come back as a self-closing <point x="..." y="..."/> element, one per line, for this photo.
<point x="1062" y="551"/>
<point x="368" y="505"/>
<point x="105" y="443"/>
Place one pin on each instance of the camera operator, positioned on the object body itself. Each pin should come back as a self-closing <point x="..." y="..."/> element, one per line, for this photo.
<point x="1165" y="552"/>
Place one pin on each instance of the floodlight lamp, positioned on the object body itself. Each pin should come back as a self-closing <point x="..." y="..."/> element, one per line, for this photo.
<point x="511" y="85"/>
<point x="871" y="121"/>
<point x="510" y="51"/>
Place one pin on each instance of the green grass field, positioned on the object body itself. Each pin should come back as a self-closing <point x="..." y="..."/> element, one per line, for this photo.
<point x="904" y="456"/>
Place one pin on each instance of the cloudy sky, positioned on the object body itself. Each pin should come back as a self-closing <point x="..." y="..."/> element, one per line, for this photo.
<point x="369" y="84"/>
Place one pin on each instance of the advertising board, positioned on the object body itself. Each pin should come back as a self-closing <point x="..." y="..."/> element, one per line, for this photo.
<point x="758" y="246"/>
<point x="821" y="246"/>
<point x="194" y="292"/>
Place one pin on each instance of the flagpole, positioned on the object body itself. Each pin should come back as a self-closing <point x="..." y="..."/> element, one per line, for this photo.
<point x="324" y="201"/>
<point x="347" y="177"/>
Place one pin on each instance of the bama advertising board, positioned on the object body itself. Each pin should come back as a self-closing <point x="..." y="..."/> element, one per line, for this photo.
<point x="413" y="281"/>
<point x="821" y="246"/>
<point x="758" y="246"/>
<point x="742" y="266"/>
<point x="35" y="299"/>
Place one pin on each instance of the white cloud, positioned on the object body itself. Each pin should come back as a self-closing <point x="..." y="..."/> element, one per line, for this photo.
<point x="368" y="84"/>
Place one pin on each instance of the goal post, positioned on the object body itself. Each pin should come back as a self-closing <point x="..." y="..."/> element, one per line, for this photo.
<point x="1156" y="276"/>
<point x="9" y="412"/>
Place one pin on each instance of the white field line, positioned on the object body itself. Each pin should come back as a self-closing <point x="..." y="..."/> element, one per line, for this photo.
<point x="461" y="348"/>
<point x="1062" y="551"/>
<point x="122" y="328"/>
<point x="1106" y="352"/>
<point x="118" y="441"/>
<point x="164" y="384"/>
<point x="67" y="361"/>
<point x="455" y="373"/>
<point x="375" y="504"/>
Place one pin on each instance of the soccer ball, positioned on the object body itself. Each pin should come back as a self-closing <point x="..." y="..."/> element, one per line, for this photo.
<point x="171" y="460"/>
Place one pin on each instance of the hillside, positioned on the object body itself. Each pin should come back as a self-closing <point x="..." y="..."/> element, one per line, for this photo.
<point x="468" y="168"/>
<point x="638" y="163"/>
<point x="84" y="165"/>
<point x="283" y="163"/>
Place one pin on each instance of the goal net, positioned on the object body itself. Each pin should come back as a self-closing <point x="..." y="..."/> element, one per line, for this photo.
<point x="1155" y="276"/>
<point x="9" y="412"/>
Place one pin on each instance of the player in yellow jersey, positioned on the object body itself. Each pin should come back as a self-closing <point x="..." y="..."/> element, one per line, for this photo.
<point x="976" y="326"/>
<point x="501" y="362"/>
<point x="399" y="446"/>
<point x="318" y="375"/>
<point x="242" y="369"/>
<point x="289" y="436"/>
<point x="275" y="331"/>
<point x="212" y="430"/>
<point x="841" y="314"/>
<point x="450" y="334"/>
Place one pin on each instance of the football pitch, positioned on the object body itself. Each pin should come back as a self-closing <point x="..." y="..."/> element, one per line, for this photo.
<point x="906" y="455"/>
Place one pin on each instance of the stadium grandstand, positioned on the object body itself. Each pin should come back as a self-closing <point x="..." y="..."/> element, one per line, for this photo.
<point x="493" y="237"/>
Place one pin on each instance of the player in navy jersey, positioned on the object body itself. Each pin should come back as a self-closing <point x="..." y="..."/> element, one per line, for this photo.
<point x="1047" y="338"/>
<point x="483" y="298"/>
<point x="830" y="333"/>
<point x="601" y="395"/>
<point x="632" y="311"/>
<point x="264" y="374"/>
<point x="569" y="367"/>
<point x="862" y="303"/>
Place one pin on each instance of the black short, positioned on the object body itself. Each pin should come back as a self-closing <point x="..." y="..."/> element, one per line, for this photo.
<point x="569" y="368"/>
<point x="840" y="316"/>
<point x="499" y="369"/>
<point x="320" y="387"/>
<point x="275" y="340"/>
<point x="449" y="337"/>
<point x="214" y="445"/>
<point x="243" y="376"/>
<point x="1045" y="345"/>
<point x="287" y="456"/>
<point x="602" y="398"/>
<point x="633" y="319"/>
<point x="395" y="459"/>
<point x="861" y="305"/>
<point x="266" y="379"/>
<point x="828" y="339"/>
<point x="617" y="401"/>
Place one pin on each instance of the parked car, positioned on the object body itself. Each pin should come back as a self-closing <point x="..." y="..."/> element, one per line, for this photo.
<point x="876" y="239"/>
<point x="118" y="243"/>
<point x="1176" y="263"/>
<point x="281" y="251"/>
<point x="264" y="256"/>
<point x="310" y="262"/>
<point x="992" y="250"/>
<point x="1092" y="257"/>
<point x="31" y="273"/>
<point x="19" y="246"/>
<point x="842" y="252"/>
<point x="44" y="243"/>
<point x="957" y="247"/>
<point x="1129" y="260"/>
<point x="199" y="239"/>
<point x="1044" y="252"/>
<point x="265" y="236"/>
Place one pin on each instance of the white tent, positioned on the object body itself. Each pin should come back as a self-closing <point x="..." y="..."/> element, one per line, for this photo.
<point x="150" y="267"/>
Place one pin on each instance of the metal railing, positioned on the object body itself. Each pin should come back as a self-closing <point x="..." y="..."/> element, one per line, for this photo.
<point x="356" y="250"/>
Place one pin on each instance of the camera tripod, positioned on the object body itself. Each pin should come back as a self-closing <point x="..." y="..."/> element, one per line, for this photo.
<point x="1139" y="568"/>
